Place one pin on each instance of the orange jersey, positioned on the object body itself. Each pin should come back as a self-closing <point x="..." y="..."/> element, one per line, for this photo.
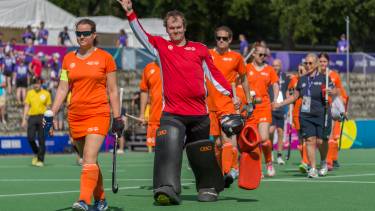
<point x="151" y="82"/>
<point x="297" y="105"/>
<point x="231" y="65"/>
<point x="88" y="82"/>
<point x="336" y="80"/>
<point x="260" y="80"/>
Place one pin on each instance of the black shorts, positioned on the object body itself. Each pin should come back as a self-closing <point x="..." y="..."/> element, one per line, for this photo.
<point x="278" y="121"/>
<point x="21" y="83"/>
<point x="314" y="126"/>
<point x="8" y="73"/>
<point x="196" y="127"/>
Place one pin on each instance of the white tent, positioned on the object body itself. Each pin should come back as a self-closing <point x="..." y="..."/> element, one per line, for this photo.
<point x="20" y="13"/>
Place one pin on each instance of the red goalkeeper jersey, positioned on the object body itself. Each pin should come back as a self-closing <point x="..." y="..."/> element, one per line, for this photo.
<point x="184" y="70"/>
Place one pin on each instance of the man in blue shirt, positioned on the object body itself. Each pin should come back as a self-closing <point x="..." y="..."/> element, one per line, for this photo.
<point x="244" y="45"/>
<point x="342" y="44"/>
<point x="42" y="35"/>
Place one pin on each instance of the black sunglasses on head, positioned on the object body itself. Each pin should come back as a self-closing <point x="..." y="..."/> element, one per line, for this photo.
<point x="225" y="39"/>
<point x="84" y="33"/>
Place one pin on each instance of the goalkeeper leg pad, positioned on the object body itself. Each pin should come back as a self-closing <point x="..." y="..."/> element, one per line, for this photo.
<point x="201" y="155"/>
<point x="168" y="156"/>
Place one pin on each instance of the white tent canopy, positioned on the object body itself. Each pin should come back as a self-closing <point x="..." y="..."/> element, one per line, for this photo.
<point x="20" y="13"/>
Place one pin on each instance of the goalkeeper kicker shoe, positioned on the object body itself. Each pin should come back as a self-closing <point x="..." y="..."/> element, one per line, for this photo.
<point x="207" y="195"/>
<point x="165" y="195"/>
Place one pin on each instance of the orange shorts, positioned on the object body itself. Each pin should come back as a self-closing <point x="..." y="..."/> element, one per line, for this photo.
<point x="215" y="129"/>
<point x="261" y="114"/>
<point x="151" y="129"/>
<point x="224" y="105"/>
<point x="336" y="130"/>
<point x="81" y="126"/>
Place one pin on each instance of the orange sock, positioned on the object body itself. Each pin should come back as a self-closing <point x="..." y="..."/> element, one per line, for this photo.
<point x="218" y="154"/>
<point x="226" y="157"/>
<point x="267" y="151"/>
<point x="333" y="150"/>
<point x="305" y="159"/>
<point x="235" y="158"/>
<point x="99" y="190"/>
<point x="89" y="180"/>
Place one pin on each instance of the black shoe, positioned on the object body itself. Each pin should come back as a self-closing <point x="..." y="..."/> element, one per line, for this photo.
<point x="336" y="164"/>
<point x="207" y="195"/>
<point x="165" y="195"/>
<point x="228" y="180"/>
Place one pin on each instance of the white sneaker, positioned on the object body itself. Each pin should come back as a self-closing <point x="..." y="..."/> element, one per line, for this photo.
<point x="120" y="151"/>
<point x="313" y="173"/>
<point x="280" y="161"/>
<point x="234" y="173"/>
<point x="323" y="171"/>
<point x="270" y="170"/>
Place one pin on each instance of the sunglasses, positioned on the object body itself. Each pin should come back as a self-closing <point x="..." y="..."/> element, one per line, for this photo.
<point x="225" y="39"/>
<point x="262" y="54"/>
<point x="84" y="33"/>
<point x="308" y="63"/>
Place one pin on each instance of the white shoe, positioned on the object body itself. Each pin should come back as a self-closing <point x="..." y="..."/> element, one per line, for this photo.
<point x="323" y="171"/>
<point x="313" y="173"/>
<point x="234" y="173"/>
<point x="270" y="170"/>
<point x="280" y="161"/>
<point x="120" y="151"/>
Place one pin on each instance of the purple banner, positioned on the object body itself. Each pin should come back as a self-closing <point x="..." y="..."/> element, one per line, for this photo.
<point x="358" y="62"/>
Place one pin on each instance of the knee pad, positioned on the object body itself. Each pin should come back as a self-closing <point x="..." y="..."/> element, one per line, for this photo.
<point x="168" y="155"/>
<point x="201" y="155"/>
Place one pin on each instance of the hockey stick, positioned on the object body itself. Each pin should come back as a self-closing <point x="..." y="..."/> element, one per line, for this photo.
<point x="114" y="155"/>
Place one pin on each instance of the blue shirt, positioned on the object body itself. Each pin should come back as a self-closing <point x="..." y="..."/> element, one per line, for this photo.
<point x="315" y="91"/>
<point x="29" y="50"/>
<point x="243" y="45"/>
<point x="21" y="71"/>
<point x="41" y="36"/>
<point x="122" y="39"/>
<point x="2" y="79"/>
<point x="342" y="45"/>
<point x="9" y="63"/>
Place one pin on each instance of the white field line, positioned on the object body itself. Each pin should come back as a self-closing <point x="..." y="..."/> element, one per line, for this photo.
<point x="71" y="180"/>
<point x="320" y="181"/>
<point x="71" y="191"/>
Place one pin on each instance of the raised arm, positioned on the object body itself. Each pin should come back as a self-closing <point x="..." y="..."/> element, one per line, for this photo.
<point x="147" y="40"/>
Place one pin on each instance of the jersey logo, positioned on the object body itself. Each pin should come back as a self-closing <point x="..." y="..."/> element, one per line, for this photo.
<point x="304" y="84"/>
<point x="190" y="48"/>
<point x="263" y="73"/>
<point x="227" y="59"/>
<point x="72" y="65"/>
<point x="251" y="73"/>
<point x="317" y="83"/>
<point x="170" y="47"/>
<point x="42" y="97"/>
<point x="91" y="63"/>
<point x="92" y="129"/>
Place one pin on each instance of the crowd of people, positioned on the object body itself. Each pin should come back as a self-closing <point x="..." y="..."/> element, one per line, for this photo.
<point x="200" y="100"/>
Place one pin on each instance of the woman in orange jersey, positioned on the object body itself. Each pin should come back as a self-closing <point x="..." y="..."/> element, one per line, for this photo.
<point x="336" y="129"/>
<point x="260" y="77"/>
<point x="89" y="73"/>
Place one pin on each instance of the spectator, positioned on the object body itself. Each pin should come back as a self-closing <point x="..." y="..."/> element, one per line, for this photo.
<point x="342" y="44"/>
<point x="35" y="66"/>
<point x="42" y="34"/>
<point x="28" y="34"/>
<point x="244" y="45"/>
<point x="2" y="97"/>
<point x="122" y="39"/>
<point x="8" y="70"/>
<point x="29" y="51"/>
<point x="64" y="37"/>
<point x="21" y="72"/>
<point x="36" y="103"/>
<point x="55" y="66"/>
